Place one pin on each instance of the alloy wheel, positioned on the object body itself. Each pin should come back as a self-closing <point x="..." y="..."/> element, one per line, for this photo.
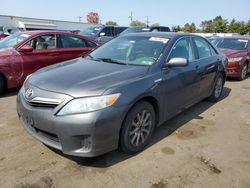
<point x="140" y="128"/>
<point x="218" y="87"/>
<point x="244" y="72"/>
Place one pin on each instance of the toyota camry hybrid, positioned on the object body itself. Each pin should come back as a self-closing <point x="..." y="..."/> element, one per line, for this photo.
<point x="117" y="95"/>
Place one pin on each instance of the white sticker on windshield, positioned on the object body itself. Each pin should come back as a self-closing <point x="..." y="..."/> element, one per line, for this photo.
<point x="145" y="29"/>
<point x="157" y="39"/>
<point x="240" y="40"/>
<point x="25" y="35"/>
<point x="97" y="29"/>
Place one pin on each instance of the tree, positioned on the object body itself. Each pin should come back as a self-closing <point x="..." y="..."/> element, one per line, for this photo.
<point x="155" y="24"/>
<point x="207" y="26"/>
<point x="137" y="23"/>
<point x="233" y="26"/>
<point x="189" y="28"/>
<point x="248" y="27"/>
<point x="176" y="28"/>
<point x="93" y="17"/>
<point x="112" y="23"/>
<point x="220" y="25"/>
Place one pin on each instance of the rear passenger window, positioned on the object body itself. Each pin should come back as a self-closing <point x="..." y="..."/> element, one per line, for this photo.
<point x="69" y="41"/>
<point x="183" y="49"/>
<point x="204" y="49"/>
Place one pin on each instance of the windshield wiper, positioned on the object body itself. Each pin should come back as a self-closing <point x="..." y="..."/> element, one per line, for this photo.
<point x="109" y="60"/>
<point x="93" y="58"/>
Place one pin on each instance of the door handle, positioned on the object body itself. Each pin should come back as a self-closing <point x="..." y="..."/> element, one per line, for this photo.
<point x="210" y="67"/>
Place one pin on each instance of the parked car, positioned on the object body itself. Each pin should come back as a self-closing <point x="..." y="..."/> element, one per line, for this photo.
<point x="237" y="50"/>
<point x="117" y="95"/>
<point x="145" y="29"/>
<point x="103" y="33"/>
<point x="213" y="39"/>
<point x="2" y="36"/>
<point x="23" y="53"/>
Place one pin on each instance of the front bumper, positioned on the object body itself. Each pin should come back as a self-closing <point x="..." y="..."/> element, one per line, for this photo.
<point x="85" y="135"/>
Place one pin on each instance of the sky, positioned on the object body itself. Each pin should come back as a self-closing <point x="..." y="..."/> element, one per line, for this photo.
<point x="165" y="12"/>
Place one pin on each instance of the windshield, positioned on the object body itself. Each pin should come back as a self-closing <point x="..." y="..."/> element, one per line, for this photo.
<point x="91" y="31"/>
<point x="231" y="43"/>
<point x="134" y="30"/>
<point x="131" y="50"/>
<point x="13" y="40"/>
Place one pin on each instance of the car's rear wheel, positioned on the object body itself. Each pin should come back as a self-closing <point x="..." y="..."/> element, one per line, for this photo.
<point x="243" y="72"/>
<point x="218" y="88"/>
<point x="2" y="84"/>
<point x="137" y="128"/>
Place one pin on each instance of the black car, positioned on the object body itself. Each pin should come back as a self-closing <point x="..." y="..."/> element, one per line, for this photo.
<point x="117" y="95"/>
<point x="103" y="33"/>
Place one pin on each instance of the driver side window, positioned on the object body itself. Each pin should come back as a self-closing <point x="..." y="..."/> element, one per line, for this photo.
<point x="183" y="49"/>
<point x="44" y="42"/>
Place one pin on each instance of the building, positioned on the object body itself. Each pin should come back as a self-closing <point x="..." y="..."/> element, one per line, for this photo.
<point x="10" y="24"/>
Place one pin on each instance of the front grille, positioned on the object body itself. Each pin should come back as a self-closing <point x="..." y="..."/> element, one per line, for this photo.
<point x="45" y="105"/>
<point x="44" y="102"/>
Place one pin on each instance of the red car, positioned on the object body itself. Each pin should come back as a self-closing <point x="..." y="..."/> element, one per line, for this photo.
<point x="2" y="36"/>
<point x="237" y="50"/>
<point x="23" y="53"/>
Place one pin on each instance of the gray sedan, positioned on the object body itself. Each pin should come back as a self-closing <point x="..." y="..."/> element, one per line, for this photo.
<point x="117" y="95"/>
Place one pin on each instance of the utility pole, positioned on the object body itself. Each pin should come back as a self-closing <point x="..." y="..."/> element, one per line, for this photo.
<point x="131" y="16"/>
<point x="80" y="18"/>
<point x="147" y="21"/>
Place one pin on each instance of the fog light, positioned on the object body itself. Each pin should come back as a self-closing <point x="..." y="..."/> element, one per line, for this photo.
<point x="86" y="144"/>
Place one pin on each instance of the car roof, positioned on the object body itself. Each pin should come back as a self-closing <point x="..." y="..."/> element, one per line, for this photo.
<point x="160" y="34"/>
<point x="237" y="37"/>
<point x="35" y="32"/>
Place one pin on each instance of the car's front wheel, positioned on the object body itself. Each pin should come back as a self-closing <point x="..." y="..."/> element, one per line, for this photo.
<point x="218" y="88"/>
<point x="243" y="72"/>
<point x="137" y="128"/>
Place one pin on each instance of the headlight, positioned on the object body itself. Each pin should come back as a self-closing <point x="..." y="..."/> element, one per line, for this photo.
<point x="88" y="104"/>
<point x="237" y="59"/>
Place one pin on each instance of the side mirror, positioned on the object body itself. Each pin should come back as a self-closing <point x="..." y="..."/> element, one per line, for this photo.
<point x="26" y="48"/>
<point x="102" y="34"/>
<point x="177" y="62"/>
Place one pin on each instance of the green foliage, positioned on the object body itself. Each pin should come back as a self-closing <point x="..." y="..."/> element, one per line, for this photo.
<point x="137" y="23"/>
<point x="220" y="25"/>
<point x="189" y="28"/>
<point x="217" y="25"/>
<point x="112" y="23"/>
<point x="207" y="26"/>
<point x="176" y="28"/>
<point x="155" y="24"/>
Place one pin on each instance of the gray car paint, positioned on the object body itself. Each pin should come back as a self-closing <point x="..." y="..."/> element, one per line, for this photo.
<point x="173" y="90"/>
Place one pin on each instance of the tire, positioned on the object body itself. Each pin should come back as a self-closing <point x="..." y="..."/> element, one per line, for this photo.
<point x="243" y="72"/>
<point x="218" y="88"/>
<point x="2" y="84"/>
<point x="135" y="134"/>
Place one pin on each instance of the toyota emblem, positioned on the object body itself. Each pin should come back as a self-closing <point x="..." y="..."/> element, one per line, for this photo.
<point x="29" y="93"/>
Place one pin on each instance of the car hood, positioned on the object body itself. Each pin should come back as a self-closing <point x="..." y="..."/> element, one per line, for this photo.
<point x="232" y="53"/>
<point x="6" y="52"/>
<point x="83" y="77"/>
